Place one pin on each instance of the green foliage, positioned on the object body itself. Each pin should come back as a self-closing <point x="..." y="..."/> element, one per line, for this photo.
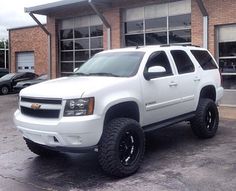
<point x="2" y="43"/>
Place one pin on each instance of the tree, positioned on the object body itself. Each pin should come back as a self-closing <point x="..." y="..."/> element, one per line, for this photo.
<point x="2" y="44"/>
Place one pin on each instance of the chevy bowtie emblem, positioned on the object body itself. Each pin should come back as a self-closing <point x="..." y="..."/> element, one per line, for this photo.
<point x="35" y="106"/>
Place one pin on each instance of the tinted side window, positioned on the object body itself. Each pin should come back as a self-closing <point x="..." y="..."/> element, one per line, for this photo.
<point x="182" y="61"/>
<point x="204" y="59"/>
<point x="159" y="59"/>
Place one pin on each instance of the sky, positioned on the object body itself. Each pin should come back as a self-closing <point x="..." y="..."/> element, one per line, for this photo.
<point x="12" y="14"/>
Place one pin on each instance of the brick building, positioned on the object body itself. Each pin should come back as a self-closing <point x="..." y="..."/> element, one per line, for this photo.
<point x="77" y="29"/>
<point x="28" y="49"/>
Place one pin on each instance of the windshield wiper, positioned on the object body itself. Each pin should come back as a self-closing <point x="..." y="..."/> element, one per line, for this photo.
<point x="81" y="74"/>
<point x="103" y="74"/>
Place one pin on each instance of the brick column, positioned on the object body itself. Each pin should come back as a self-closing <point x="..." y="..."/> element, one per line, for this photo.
<point x="113" y="17"/>
<point x="51" y="26"/>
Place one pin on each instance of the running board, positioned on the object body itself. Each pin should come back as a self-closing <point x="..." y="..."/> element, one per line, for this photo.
<point x="168" y="122"/>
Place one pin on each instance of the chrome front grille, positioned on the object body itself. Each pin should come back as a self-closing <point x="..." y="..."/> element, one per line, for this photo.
<point x="40" y="107"/>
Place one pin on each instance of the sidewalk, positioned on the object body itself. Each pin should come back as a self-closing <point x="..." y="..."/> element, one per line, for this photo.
<point x="227" y="112"/>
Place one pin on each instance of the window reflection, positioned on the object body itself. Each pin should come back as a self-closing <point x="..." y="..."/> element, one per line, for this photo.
<point x="156" y="38"/>
<point x="66" y="34"/>
<point x="180" y="36"/>
<point x="180" y="21"/>
<point x="227" y="49"/>
<point x="134" y="26"/>
<point x="134" y="40"/>
<point x="227" y="65"/>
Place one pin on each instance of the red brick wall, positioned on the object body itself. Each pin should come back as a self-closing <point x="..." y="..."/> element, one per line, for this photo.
<point x="113" y="17"/>
<point x="220" y="12"/>
<point x="28" y="40"/>
<point x="33" y="39"/>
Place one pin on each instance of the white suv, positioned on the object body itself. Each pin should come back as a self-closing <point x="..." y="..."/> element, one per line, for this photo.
<point x="117" y="96"/>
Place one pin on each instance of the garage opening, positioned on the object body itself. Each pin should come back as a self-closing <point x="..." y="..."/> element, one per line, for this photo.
<point x="227" y="62"/>
<point x="25" y="61"/>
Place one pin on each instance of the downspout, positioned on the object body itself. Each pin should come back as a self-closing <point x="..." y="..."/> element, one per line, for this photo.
<point x="49" y="42"/>
<point x="205" y="22"/>
<point x="5" y="54"/>
<point x="105" y="22"/>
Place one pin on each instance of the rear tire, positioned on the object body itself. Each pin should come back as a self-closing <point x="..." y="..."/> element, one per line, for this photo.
<point x="205" y="123"/>
<point x="39" y="149"/>
<point x="122" y="147"/>
<point x="4" y="90"/>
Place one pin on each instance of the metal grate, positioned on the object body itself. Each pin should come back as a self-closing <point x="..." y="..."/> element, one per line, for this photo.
<point x="38" y="100"/>
<point x="41" y="113"/>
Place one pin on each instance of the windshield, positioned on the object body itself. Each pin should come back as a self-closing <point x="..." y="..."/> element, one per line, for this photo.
<point x="119" y="64"/>
<point x="8" y="76"/>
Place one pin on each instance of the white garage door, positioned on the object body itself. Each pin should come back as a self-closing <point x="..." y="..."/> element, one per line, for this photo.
<point x="25" y="61"/>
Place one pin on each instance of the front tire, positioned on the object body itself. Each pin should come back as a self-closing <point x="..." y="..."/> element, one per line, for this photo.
<point x="205" y="123"/>
<point x="39" y="149"/>
<point x="122" y="147"/>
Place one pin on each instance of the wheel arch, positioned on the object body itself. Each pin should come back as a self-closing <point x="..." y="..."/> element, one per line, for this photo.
<point x="208" y="91"/>
<point x="126" y="109"/>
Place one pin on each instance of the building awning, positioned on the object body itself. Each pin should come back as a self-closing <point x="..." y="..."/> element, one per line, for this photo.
<point x="49" y="8"/>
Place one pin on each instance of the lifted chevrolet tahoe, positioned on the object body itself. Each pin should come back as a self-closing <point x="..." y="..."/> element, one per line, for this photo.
<point x="117" y="96"/>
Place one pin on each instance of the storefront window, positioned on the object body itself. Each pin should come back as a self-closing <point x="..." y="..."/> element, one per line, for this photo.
<point x="80" y="39"/>
<point x="166" y="23"/>
<point x="227" y="55"/>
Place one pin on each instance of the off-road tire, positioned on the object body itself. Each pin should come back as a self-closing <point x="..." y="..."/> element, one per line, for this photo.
<point x="205" y="123"/>
<point x="4" y="90"/>
<point x="114" y="147"/>
<point x="39" y="149"/>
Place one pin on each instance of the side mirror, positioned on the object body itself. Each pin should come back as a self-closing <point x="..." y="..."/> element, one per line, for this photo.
<point x="75" y="70"/>
<point x="154" y="72"/>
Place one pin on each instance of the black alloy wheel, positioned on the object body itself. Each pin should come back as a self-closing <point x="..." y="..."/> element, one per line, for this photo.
<point x="129" y="148"/>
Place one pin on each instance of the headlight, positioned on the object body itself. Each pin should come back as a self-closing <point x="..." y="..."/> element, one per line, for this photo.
<point x="79" y="107"/>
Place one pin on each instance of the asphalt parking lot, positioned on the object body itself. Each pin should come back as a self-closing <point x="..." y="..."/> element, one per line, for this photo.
<point x="175" y="160"/>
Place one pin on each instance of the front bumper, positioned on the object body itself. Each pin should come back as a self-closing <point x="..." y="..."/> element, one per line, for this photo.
<point x="66" y="132"/>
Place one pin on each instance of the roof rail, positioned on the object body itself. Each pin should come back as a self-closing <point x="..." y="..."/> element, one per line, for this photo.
<point x="168" y="45"/>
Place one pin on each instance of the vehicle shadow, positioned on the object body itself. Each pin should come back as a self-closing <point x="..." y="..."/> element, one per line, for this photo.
<point x="82" y="171"/>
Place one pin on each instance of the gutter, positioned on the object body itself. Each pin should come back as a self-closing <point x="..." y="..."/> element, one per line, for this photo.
<point x="205" y="22"/>
<point x="105" y="22"/>
<point x="49" y="42"/>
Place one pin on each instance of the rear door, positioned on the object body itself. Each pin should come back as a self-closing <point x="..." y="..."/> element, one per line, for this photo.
<point x="188" y="80"/>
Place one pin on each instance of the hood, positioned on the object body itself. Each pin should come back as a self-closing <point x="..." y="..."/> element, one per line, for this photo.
<point x="34" y="81"/>
<point x="69" y="87"/>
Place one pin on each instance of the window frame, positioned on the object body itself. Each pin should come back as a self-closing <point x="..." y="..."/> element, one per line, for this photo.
<point x="169" y="61"/>
<point x="145" y="31"/>
<point x="90" y="26"/>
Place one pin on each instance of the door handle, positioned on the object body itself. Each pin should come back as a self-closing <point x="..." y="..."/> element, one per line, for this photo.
<point x="173" y="84"/>
<point x="197" y="79"/>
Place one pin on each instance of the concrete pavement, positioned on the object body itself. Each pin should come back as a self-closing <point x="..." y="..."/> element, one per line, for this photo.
<point x="174" y="160"/>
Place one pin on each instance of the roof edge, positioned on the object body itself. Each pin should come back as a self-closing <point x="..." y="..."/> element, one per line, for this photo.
<point x="51" y="5"/>
<point x="24" y="27"/>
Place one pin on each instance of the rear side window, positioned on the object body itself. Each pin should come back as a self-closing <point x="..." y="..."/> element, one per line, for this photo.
<point x="182" y="61"/>
<point x="204" y="59"/>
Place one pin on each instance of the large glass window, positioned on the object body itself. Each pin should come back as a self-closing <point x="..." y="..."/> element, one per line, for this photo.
<point x="227" y="55"/>
<point x="166" y="23"/>
<point x="80" y="39"/>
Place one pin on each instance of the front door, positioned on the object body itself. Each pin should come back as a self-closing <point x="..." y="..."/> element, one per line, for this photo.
<point x="161" y="95"/>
